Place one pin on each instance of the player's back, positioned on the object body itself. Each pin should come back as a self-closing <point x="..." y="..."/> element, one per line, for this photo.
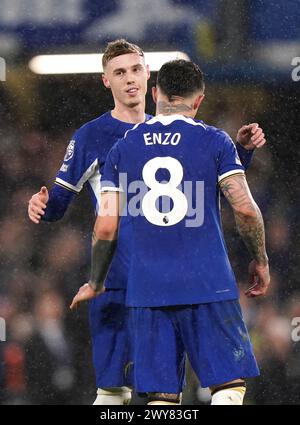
<point x="179" y="255"/>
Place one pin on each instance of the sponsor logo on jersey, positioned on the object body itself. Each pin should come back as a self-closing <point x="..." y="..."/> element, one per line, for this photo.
<point x="70" y="150"/>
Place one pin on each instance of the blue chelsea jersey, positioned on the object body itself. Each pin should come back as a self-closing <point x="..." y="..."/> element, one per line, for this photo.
<point x="178" y="250"/>
<point x="83" y="165"/>
<point x="86" y="155"/>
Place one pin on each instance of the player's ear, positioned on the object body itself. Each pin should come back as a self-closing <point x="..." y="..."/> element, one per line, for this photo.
<point x="105" y="81"/>
<point x="148" y="72"/>
<point x="154" y="94"/>
<point x="198" y="101"/>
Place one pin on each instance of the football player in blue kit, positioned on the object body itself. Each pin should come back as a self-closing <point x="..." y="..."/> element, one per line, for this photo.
<point x="126" y="74"/>
<point x="181" y="290"/>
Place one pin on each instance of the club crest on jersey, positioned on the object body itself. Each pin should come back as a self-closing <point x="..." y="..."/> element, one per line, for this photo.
<point x="70" y="151"/>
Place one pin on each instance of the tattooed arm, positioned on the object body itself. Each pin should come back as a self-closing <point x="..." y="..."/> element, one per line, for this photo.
<point x="251" y="228"/>
<point x="104" y="239"/>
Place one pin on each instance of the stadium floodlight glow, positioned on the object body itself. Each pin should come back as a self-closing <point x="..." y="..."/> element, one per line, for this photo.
<point x="92" y="62"/>
<point x="155" y="60"/>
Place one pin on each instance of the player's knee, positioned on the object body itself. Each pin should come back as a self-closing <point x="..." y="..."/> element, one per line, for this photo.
<point x="113" y="396"/>
<point x="231" y="393"/>
<point x="164" y="398"/>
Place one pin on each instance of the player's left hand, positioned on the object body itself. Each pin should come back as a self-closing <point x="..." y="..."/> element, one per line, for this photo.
<point x="84" y="293"/>
<point x="251" y="136"/>
<point x="259" y="279"/>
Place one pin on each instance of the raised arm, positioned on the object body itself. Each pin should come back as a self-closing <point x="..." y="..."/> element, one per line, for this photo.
<point x="251" y="228"/>
<point x="249" y="137"/>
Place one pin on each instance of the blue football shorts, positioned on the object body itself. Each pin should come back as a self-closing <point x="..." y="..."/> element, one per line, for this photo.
<point x="213" y="335"/>
<point x="109" y="320"/>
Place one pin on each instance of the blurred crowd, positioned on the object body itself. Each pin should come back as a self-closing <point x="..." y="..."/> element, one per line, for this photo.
<point x="46" y="358"/>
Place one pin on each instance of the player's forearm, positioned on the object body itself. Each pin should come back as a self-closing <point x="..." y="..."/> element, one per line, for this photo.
<point x="59" y="200"/>
<point x="102" y="255"/>
<point x="251" y="228"/>
<point x="247" y="215"/>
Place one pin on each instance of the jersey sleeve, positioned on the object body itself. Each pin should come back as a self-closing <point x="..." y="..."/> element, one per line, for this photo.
<point x="111" y="179"/>
<point x="228" y="159"/>
<point x="244" y="155"/>
<point x="80" y="163"/>
<point x="59" y="200"/>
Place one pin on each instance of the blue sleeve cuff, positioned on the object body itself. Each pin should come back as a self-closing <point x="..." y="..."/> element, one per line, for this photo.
<point x="59" y="200"/>
<point x="245" y="155"/>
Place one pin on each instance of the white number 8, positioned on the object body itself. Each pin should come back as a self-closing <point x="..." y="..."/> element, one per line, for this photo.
<point x="180" y="203"/>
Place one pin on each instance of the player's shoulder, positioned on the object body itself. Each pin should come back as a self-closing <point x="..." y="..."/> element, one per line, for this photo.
<point x="94" y="125"/>
<point x="212" y="130"/>
<point x="90" y="133"/>
<point x="218" y="135"/>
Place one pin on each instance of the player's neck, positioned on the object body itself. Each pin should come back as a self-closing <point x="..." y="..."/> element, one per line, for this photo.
<point x="175" y="108"/>
<point x="131" y="115"/>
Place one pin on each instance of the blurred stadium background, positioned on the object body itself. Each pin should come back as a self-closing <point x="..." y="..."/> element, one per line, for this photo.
<point x="247" y="50"/>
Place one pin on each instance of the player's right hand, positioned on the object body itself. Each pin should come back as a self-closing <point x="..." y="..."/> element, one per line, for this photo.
<point x="259" y="275"/>
<point x="251" y="136"/>
<point x="85" y="293"/>
<point x="37" y="204"/>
